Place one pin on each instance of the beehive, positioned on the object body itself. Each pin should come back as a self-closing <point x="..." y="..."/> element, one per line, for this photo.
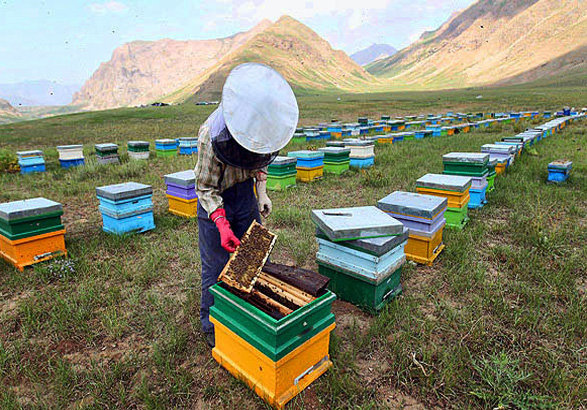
<point x="181" y="193"/>
<point x="126" y="207"/>
<point x="71" y="155"/>
<point x="31" y="161"/>
<point x="309" y="166"/>
<point x="281" y="173"/>
<point x="138" y="150"/>
<point x="107" y="153"/>
<point x="559" y="171"/>
<point x="336" y="159"/>
<point x="166" y="147"/>
<point x="188" y="145"/>
<point x="455" y="189"/>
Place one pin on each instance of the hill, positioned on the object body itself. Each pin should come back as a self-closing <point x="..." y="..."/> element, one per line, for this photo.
<point x="491" y="42"/>
<point x="142" y="71"/>
<point x="373" y="53"/>
<point x="7" y="112"/>
<point x="37" y="93"/>
<point x="304" y="58"/>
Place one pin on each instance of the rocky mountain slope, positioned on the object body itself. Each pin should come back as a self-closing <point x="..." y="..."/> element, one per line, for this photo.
<point x="143" y="71"/>
<point x="305" y="59"/>
<point x="491" y="42"/>
<point x="373" y="53"/>
<point x="8" y="113"/>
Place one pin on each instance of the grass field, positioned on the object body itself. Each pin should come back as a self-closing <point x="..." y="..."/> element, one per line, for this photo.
<point x="498" y="322"/>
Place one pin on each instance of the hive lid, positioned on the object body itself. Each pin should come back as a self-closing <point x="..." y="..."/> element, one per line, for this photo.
<point x="106" y="147"/>
<point x="335" y="150"/>
<point x="492" y="162"/>
<point x="10" y="211"/>
<point x="561" y="164"/>
<point x="138" y="143"/>
<point x="374" y="246"/>
<point x="123" y="191"/>
<point x="165" y="141"/>
<point x="497" y="147"/>
<point x="447" y="182"/>
<point x="188" y="138"/>
<point x="306" y="154"/>
<point x="182" y="178"/>
<point x="32" y="153"/>
<point x="341" y="224"/>
<point x="413" y="204"/>
<point x="335" y="144"/>
<point x="354" y="142"/>
<point x="67" y="147"/>
<point x="281" y="160"/>
<point x="466" y="157"/>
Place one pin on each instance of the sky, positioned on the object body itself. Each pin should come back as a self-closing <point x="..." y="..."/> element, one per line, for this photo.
<point x="65" y="41"/>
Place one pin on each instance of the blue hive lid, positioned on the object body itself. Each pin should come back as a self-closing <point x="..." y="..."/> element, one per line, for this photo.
<point x="10" y="211"/>
<point x="123" y="191"/>
<point x="182" y="178"/>
<point x="341" y="224"/>
<point x="466" y="157"/>
<point x="447" y="182"/>
<point x="106" y="147"/>
<point x="306" y="154"/>
<point x="413" y="204"/>
<point x="69" y="147"/>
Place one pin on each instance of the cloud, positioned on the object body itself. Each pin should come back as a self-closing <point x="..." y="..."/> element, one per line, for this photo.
<point x="108" y="7"/>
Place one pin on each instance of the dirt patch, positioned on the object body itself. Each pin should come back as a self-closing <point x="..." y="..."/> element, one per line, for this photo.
<point x="9" y="305"/>
<point x="109" y="351"/>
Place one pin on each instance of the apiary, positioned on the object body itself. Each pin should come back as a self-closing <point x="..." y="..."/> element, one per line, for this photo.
<point x="138" y="150"/>
<point x="31" y="161"/>
<point x="361" y="250"/>
<point x="455" y="189"/>
<point x="166" y="147"/>
<point x="423" y="215"/>
<point x="31" y="231"/>
<point x="188" y="145"/>
<point x="181" y="193"/>
<point x="107" y="154"/>
<point x="559" y="171"/>
<point x="336" y="159"/>
<point x="281" y="173"/>
<point x="71" y="155"/>
<point x="126" y="207"/>
<point x="309" y="166"/>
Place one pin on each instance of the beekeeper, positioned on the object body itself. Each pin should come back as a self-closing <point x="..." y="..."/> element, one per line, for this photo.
<point x="256" y="118"/>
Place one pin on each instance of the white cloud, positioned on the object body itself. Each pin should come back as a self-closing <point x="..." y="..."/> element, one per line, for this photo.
<point x="108" y="7"/>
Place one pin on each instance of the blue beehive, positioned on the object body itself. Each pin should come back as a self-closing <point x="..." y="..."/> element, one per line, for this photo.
<point x="188" y="145"/>
<point x="126" y="207"/>
<point x="558" y="171"/>
<point x="31" y="161"/>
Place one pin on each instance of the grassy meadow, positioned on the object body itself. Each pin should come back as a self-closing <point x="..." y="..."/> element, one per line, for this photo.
<point x="499" y="321"/>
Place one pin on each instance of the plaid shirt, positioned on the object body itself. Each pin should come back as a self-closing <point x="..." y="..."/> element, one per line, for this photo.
<point x="213" y="176"/>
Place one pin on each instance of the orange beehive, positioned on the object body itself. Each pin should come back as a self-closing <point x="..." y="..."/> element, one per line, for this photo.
<point x="34" y="249"/>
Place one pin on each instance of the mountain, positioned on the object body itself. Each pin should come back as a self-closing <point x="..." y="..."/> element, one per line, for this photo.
<point x="305" y="59"/>
<point x="491" y="42"/>
<point x="7" y="112"/>
<point x="143" y="71"/>
<point x="373" y="53"/>
<point x="40" y="92"/>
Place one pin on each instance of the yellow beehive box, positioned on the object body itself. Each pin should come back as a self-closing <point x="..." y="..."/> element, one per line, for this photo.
<point x="423" y="250"/>
<point x="34" y="249"/>
<point x="188" y="208"/>
<point x="500" y="168"/>
<point x="310" y="174"/>
<point x="275" y="382"/>
<point x="455" y="199"/>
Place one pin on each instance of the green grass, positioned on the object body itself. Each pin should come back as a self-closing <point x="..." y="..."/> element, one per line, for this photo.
<point x="497" y="322"/>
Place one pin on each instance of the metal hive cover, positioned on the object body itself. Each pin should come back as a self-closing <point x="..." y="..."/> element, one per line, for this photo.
<point x="10" y="211"/>
<point x="306" y="154"/>
<point x="335" y="144"/>
<point x="281" y="160"/>
<point x="335" y="150"/>
<point x="67" y="147"/>
<point x="466" y="157"/>
<point x="492" y="162"/>
<point x="413" y="204"/>
<point x="561" y="164"/>
<point x="123" y="191"/>
<point x="188" y="138"/>
<point x="341" y="224"/>
<point x="165" y="141"/>
<point x="377" y="246"/>
<point x="182" y="178"/>
<point x="357" y="142"/>
<point x="138" y="143"/>
<point x="488" y="148"/>
<point x="106" y="147"/>
<point x="32" y="153"/>
<point x="447" y="182"/>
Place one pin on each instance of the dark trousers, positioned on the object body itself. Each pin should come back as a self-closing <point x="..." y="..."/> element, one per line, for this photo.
<point x="241" y="209"/>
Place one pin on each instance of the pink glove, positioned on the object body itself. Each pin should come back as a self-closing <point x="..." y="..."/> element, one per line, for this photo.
<point x="227" y="239"/>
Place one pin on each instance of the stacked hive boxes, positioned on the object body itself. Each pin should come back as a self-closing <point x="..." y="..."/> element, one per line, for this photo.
<point x="126" y="207"/>
<point x="181" y="193"/>
<point x="455" y="189"/>
<point x="500" y="152"/>
<point x="362" y="153"/>
<point x="361" y="250"/>
<point x="166" y="147"/>
<point x="31" y="231"/>
<point x="309" y="166"/>
<point x="71" y="155"/>
<point x="558" y="171"/>
<point x="473" y="165"/>
<point x="276" y="357"/>
<point x="491" y="164"/>
<point x="336" y="159"/>
<point x="188" y="145"/>
<point x="107" y="153"/>
<point x="31" y="161"/>
<point x="423" y="215"/>
<point x="138" y="149"/>
<point x="281" y="173"/>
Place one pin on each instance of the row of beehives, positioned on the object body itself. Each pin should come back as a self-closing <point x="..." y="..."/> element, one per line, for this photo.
<point x="73" y="155"/>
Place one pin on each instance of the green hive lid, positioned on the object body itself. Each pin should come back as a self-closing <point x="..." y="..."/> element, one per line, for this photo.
<point x="466" y="157"/>
<point x="106" y="147"/>
<point x="447" y="182"/>
<point x="280" y="160"/>
<point x="413" y="204"/>
<point x="561" y="164"/>
<point x="10" y="211"/>
<point x="335" y="150"/>
<point x="33" y="153"/>
<point x="123" y="191"/>
<point x="182" y="178"/>
<point x="341" y="224"/>
<point x="69" y="147"/>
<point x="374" y="246"/>
<point x="306" y="154"/>
<point x="138" y="143"/>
